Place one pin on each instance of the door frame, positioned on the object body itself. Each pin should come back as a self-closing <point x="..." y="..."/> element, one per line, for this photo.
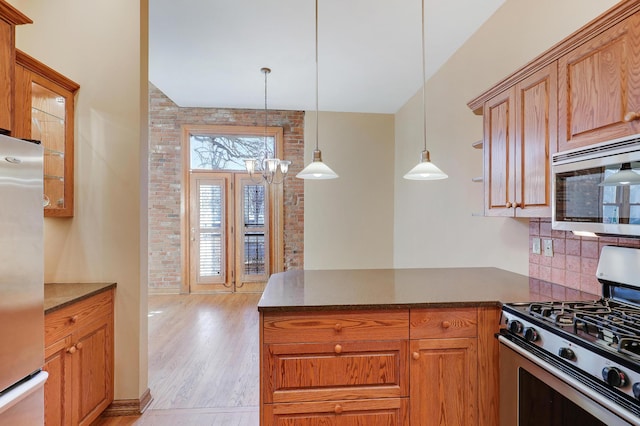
<point x="276" y="222"/>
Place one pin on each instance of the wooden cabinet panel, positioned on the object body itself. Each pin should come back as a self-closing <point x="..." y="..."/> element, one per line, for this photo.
<point x="443" y="323"/>
<point x="373" y="412"/>
<point x="444" y="382"/>
<point x="599" y="84"/>
<point x="7" y="46"/>
<point x="65" y="321"/>
<point x="536" y="141"/>
<point x="9" y="18"/>
<point x="520" y="134"/>
<point x="344" y="326"/>
<point x="92" y="371"/>
<point x="326" y="371"/>
<point x="58" y="385"/>
<point x="499" y="154"/>
<point x="79" y="358"/>
<point x="488" y="366"/>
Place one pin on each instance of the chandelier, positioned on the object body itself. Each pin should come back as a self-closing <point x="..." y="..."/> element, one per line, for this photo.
<point x="267" y="168"/>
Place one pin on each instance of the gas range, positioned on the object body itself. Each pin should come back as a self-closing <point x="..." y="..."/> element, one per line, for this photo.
<point x="596" y="343"/>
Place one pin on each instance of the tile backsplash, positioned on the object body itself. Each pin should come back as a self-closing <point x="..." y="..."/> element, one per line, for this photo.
<point x="575" y="259"/>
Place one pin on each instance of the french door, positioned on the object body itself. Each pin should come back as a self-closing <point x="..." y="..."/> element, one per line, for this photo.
<point x="230" y="244"/>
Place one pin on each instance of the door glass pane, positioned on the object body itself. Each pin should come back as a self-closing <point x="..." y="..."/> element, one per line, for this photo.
<point x="48" y="126"/>
<point x="228" y="152"/>
<point x="254" y="225"/>
<point x="210" y="232"/>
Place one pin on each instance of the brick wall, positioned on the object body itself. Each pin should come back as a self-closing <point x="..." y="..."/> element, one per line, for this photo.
<point x="165" y="171"/>
<point x="574" y="259"/>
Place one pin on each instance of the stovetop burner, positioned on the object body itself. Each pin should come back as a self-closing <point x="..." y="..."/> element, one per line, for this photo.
<point x="562" y="313"/>
<point x="605" y="322"/>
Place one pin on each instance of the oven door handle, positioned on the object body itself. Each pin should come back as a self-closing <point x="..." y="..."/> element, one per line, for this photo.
<point x="570" y="381"/>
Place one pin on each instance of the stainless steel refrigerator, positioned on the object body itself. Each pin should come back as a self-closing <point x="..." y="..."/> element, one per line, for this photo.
<point x="21" y="283"/>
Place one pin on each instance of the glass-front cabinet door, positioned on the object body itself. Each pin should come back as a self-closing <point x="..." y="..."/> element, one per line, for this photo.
<point x="45" y="112"/>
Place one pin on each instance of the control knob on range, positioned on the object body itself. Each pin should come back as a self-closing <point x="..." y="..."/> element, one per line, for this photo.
<point x="530" y="334"/>
<point x="515" y="326"/>
<point x="636" y="390"/>
<point x="567" y="353"/>
<point x="614" y="377"/>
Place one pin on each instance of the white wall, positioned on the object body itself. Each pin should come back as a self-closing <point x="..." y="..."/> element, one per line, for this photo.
<point x="434" y="225"/>
<point x="98" y="45"/>
<point x="348" y="222"/>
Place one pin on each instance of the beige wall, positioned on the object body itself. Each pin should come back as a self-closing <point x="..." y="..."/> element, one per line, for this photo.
<point x="348" y="222"/>
<point x="98" y="45"/>
<point x="434" y="225"/>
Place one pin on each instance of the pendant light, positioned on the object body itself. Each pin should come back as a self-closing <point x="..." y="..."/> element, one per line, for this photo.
<point x="425" y="170"/>
<point x="269" y="168"/>
<point x="317" y="169"/>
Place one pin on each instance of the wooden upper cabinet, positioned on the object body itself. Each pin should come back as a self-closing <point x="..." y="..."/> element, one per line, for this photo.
<point x="9" y="18"/>
<point x="519" y="137"/>
<point x="45" y="111"/>
<point x="599" y="87"/>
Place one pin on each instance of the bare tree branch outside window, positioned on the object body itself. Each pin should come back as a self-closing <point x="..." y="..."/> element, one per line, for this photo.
<point x="225" y="152"/>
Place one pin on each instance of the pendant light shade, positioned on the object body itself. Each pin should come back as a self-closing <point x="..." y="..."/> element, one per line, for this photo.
<point x="623" y="177"/>
<point x="317" y="169"/>
<point x="425" y="170"/>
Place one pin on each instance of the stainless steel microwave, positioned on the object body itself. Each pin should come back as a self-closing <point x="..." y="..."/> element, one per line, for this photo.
<point x="596" y="189"/>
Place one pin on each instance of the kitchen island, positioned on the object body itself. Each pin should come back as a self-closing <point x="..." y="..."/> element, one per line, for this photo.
<point x="388" y="346"/>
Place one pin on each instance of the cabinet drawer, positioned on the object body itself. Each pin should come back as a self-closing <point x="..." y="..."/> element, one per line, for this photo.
<point x="327" y="371"/>
<point x="303" y="327"/>
<point x="373" y="412"/>
<point x="443" y="323"/>
<point x="65" y="321"/>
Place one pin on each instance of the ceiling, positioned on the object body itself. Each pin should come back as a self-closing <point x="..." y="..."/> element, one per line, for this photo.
<point x="208" y="53"/>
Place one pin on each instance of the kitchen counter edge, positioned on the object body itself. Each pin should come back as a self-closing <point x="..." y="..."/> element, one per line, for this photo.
<point x="367" y="289"/>
<point x="59" y="295"/>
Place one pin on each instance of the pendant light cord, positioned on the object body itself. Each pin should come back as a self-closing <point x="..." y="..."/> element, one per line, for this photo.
<point x="317" y="123"/>
<point x="424" y="79"/>
<point x="266" y="148"/>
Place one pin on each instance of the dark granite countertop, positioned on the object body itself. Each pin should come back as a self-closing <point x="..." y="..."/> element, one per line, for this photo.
<point x="59" y="295"/>
<point x="402" y="288"/>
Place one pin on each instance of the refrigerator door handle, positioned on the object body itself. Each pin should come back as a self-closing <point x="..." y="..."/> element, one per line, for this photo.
<point x="22" y="391"/>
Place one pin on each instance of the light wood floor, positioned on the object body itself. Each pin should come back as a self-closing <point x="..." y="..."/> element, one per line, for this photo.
<point x="203" y="362"/>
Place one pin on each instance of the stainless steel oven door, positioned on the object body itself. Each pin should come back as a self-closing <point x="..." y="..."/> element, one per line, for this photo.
<point x="533" y="392"/>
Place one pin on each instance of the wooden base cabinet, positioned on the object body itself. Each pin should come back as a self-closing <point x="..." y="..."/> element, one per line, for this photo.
<point x="389" y="367"/>
<point x="372" y="412"/>
<point x="335" y="368"/>
<point x="79" y="359"/>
